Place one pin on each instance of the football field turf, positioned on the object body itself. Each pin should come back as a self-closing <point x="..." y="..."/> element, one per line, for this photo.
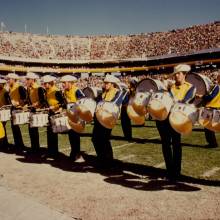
<point x="145" y="148"/>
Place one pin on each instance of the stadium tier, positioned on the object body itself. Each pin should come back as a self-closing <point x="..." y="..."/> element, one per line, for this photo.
<point x="47" y="53"/>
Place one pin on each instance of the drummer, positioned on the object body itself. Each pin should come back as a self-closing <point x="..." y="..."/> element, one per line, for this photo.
<point x="182" y="92"/>
<point x="101" y="135"/>
<point x="125" y="120"/>
<point x="55" y="102"/>
<point x="18" y="97"/>
<point x="4" y="100"/>
<point x="212" y="100"/>
<point x="35" y="101"/>
<point x="72" y="94"/>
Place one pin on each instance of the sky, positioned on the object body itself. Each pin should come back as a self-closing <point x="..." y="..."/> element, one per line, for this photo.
<point x="96" y="17"/>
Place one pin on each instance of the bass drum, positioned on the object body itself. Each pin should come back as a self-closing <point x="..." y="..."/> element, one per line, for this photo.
<point x="202" y="83"/>
<point x="92" y="92"/>
<point x="149" y="85"/>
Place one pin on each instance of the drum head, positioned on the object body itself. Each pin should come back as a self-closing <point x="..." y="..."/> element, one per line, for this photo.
<point x="202" y="83"/>
<point x="147" y="85"/>
<point x="92" y="92"/>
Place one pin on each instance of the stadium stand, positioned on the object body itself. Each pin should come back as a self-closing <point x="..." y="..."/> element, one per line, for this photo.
<point x="179" y="41"/>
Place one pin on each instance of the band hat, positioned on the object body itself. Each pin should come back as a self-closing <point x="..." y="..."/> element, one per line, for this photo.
<point x="48" y="78"/>
<point x="31" y="75"/>
<point x="111" y="79"/>
<point x="2" y="81"/>
<point x="12" y="76"/>
<point x="181" y="68"/>
<point x="68" y="78"/>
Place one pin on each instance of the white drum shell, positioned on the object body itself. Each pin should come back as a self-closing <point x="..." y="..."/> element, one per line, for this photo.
<point x="140" y="102"/>
<point x="210" y="119"/>
<point x="39" y="119"/>
<point x="183" y="117"/>
<point x="216" y="120"/>
<point x="107" y="113"/>
<point x="159" y="105"/>
<point x="86" y="109"/>
<point x="20" y="117"/>
<point x="205" y="117"/>
<point x="5" y="114"/>
<point x="60" y="123"/>
<point x="134" y="116"/>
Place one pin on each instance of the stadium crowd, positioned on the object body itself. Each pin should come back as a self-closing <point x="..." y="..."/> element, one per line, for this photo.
<point x="179" y="41"/>
<point x="97" y="81"/>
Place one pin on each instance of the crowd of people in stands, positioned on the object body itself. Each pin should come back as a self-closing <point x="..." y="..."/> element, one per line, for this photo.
<point x="97" y="81"/>
<point x="179" y="41"/>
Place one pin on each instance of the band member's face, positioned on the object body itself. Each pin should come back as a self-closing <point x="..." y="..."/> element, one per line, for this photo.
<point x="46" y="85"/>
<point x="108" y="85"/>
<point x="11" y="82"/>
<point x="29" y="82"/>
<point x="180" y="77"/>
<point x="66" y="85"/>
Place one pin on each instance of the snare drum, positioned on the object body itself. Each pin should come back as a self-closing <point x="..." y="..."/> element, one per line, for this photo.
<point x="107" y="114"/>
<point x="60" y="123"/>
<point x="183" y="117"/>
<point x="159" y="105"/>
<point x="5" y="113"/>
<point x="39" y="119"/>
<point x="20" y="117"/>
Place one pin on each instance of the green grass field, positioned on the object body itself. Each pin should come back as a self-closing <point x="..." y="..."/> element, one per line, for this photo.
<point x="146" y="149"/>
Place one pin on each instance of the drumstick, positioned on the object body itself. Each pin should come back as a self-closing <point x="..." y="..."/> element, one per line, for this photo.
<point x="5" y="106"/>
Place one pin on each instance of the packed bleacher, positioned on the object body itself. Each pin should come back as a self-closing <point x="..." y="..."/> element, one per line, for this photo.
<point x="179" y="41"/>
<point x="97" y="81"/>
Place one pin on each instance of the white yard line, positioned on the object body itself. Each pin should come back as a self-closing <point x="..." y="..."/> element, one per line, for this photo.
<point x="211" y="172"/>
<point x="123" y="145"/>
<point x="152" y="138"/>
<point x="160" y="165"/>
<point x="128" y="144"/>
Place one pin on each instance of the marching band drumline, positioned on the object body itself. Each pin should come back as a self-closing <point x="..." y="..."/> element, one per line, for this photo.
<point x="85" y="108"/>
<point x="40" y="117"/>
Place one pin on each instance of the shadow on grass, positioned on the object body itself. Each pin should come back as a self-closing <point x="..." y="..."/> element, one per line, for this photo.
<point x="137" y="140"/>
<point x="131" y="175"/>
